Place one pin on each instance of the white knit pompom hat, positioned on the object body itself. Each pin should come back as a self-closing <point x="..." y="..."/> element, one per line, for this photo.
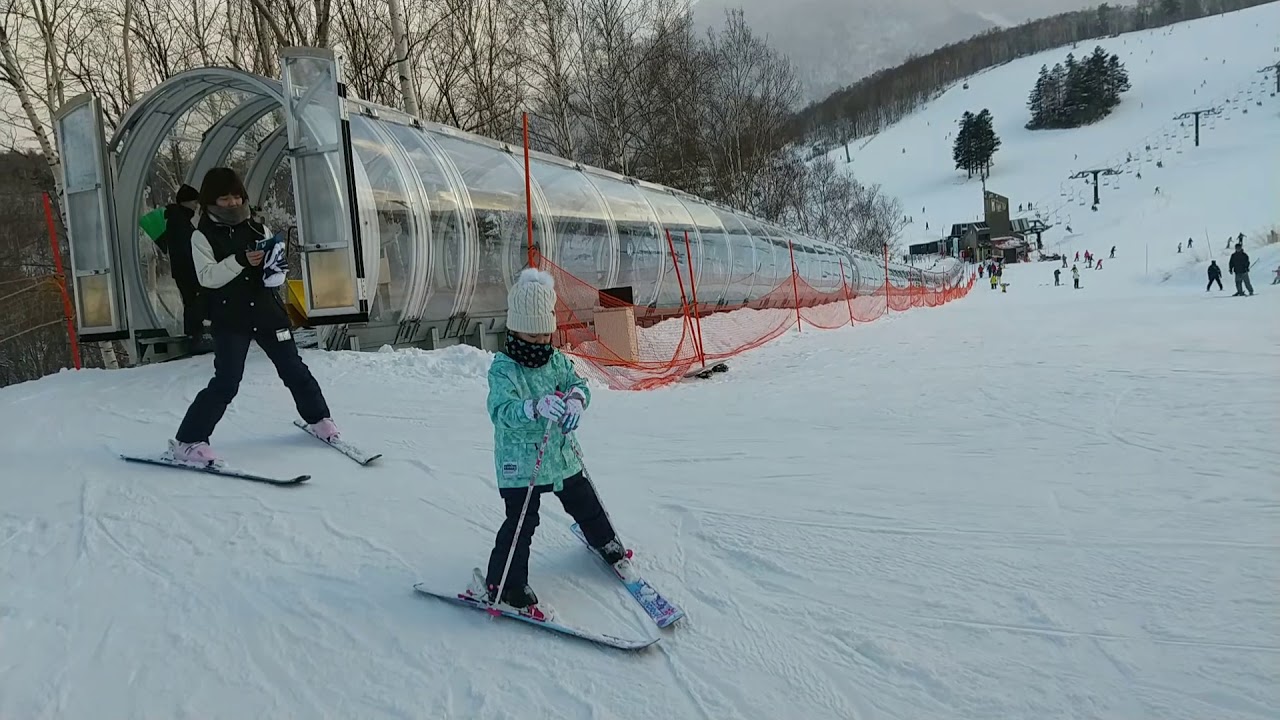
<point x="531" y="303"/>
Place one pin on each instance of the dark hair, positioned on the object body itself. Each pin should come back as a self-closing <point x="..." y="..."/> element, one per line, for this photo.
<point x="220" y="181"/>
<point x="186" y="194"/>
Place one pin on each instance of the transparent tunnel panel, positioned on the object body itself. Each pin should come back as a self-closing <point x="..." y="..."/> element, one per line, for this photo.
<point x="712" y="261"/>
<point x="767" y="273"/>
<point x="314" y="115"/>
<point x="742" y="253"/>
<point x="677" y="221"/>
<point x="99" y="292"/>
<point x="643" y="256"/>
<point x="495" y="188"/>
<point x="395" y="274"/>
<point x="586" y="242"/>
<point x="445" y="292"/>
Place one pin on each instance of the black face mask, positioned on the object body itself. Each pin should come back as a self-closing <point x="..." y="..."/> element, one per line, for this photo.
<point x="528" y="354"/>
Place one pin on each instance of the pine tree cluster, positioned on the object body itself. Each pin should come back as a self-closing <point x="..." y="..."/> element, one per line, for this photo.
<point x="1077" y="93"/>
<point x="976" y="143"/>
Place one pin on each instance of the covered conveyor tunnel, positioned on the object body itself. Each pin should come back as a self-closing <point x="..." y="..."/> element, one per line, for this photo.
<point x="402" y="232"/>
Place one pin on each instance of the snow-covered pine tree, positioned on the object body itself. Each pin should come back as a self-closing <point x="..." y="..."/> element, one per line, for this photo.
<point x="1055" y="112"/>
<point x="962" y="150"/>
<point x="985" y="141"/>
<point x="1036" y="101"/>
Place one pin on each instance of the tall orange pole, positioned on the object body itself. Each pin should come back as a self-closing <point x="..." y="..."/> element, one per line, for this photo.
<point x="528" y="187"/>
<point x="62" y="283"/>
<point x="795" y="289"/>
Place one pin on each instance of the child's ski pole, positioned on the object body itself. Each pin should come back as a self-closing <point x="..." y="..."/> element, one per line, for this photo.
<point x="533" y="480"/>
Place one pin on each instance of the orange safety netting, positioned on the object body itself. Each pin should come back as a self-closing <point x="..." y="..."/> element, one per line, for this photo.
<point x="635" y="347"/>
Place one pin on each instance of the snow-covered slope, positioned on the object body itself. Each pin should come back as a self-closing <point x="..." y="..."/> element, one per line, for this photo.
<point x="1229" y="185"/>
<point x="1043" y="503"/>
<point x="1034" y="504"/>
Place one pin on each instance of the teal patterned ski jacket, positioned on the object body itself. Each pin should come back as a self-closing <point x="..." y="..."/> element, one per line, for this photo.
<point x="513" y="388"/>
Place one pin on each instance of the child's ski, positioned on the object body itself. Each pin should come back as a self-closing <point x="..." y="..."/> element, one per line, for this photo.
<point x="217" y="470"/>
<point x="598" y="638"/>
<point x="662" y="611"/>
<point x="341" y="446"/>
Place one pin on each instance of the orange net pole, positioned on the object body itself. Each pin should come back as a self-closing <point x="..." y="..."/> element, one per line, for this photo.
<point x="795" y="289"/>
<point x="844" y="285"/>
<point x="67" y="309"/>
<point x="693" y="289"/>
<point x="684" y="299"/>
<point x="886" y="278"/>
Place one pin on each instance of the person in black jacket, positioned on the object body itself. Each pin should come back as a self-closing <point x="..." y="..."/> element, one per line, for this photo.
<point x="1239" y="266"/>
<point x="244" y="307"/>
<point x="1215" y="275"/>
<point x="175" y="241"/>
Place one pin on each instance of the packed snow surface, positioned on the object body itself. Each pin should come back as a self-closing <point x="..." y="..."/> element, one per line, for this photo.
<point x="1041" y="503"/>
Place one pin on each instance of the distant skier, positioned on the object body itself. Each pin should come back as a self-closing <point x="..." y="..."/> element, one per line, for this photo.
<point x="1238" y="265"/>
<point x="1277" y="280"/>
<point x="179" y="219"/>
<point x="1099" y="265"/>
<point x="1190" y="243"/>
<point x="1113" y="251"/>
<point x="1056" y="273"/>
<point x="241" y="283"/>
<point x="1179" y="247"/>
<point x="1075" y="276"/>
<point x="1215" y="275"/>
<point x="1077" y="256"/>
<point x="534" y="389"/>
<point x="980" y="271"/>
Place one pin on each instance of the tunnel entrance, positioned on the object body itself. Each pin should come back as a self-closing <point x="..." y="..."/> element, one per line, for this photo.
<point x="402" y="232"/>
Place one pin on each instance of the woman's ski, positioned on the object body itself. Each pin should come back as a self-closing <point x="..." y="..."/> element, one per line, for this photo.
<point x="341" y="446"/>
<point x="221" y="470"/>
<point x="598" y="638"/>
<point x="658" y="608"/>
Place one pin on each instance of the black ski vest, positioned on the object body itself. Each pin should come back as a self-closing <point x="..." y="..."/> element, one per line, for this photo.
<point x="244" y="305"/>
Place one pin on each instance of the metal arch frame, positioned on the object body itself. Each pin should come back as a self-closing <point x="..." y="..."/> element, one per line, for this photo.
<point x="226" y="133"/>
<point x="133" y="147"/>
<point x="271" y="153"/>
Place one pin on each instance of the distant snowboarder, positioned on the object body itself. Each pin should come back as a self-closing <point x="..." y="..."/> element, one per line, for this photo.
<point x="1238" y="265"/>
<point x="1075" y="276"/>
<point x="1215" y="275"/>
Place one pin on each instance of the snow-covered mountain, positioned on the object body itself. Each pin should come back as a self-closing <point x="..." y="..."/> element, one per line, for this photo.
<point x="835" y="42"/>
<point x="1039" y="504"/>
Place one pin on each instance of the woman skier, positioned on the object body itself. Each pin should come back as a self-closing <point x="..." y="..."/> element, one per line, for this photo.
<point x="535" y="393"/>
<point x="240" y="281"/>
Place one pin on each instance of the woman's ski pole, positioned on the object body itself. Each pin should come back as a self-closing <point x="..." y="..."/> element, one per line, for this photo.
<point x="533" y="480"/>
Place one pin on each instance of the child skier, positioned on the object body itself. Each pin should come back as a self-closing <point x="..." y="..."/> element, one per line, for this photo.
<point x="534" y="391"/>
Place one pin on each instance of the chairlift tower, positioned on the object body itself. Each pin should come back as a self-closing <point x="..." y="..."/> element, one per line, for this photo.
<point x="1197" y="114"/>
<point x="1096" y="172"/>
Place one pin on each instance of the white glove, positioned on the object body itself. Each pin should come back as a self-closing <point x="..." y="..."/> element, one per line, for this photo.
<point x="550" y="407"/>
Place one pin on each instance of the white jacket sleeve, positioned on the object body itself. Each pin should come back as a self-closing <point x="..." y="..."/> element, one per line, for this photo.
<point x="210" y="272"/>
